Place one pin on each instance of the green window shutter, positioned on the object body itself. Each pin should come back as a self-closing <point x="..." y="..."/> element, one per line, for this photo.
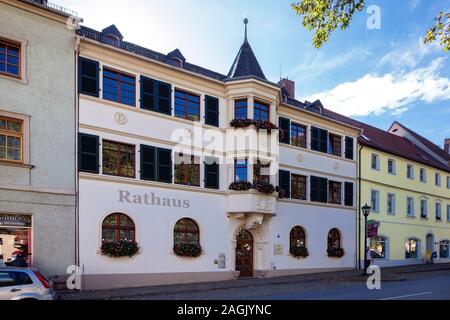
<point x="212" y="111"/>
<point x="319" y="139"/>
<point x="285" y="125"/>
<point x="323" y="141"/>
<point x="284" y="182"/>
<point x="148" y="94"/>
<point x="148" y="163"/>
<point x="88" y="153"/>
<point x="348" y="194"/>
<point x="319" y="189"/>
<point x="88" y="77"/>
<point x="212" y="173"/>
<point x="349" y="148"/>
<point x="164" y="165"/>
<point x="156" y="96"/>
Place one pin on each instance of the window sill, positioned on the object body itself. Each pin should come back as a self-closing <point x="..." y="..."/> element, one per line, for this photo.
<point x="410" y="216"/>
<point x="17" y="165"/>
<point x="13" y="78"/>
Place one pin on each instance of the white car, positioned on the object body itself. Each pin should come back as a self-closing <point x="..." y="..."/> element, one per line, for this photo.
<point x="24" y="284"/>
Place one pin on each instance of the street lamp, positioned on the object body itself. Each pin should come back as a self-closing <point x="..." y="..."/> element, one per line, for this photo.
<point x="366" y="212"/>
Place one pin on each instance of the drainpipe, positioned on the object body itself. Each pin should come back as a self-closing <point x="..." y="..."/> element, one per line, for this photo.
<point x="77" y="180"/>
<point x="358" y="243"/>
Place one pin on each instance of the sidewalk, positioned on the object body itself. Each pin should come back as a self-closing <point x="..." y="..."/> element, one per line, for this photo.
<point x="388" y="274"/>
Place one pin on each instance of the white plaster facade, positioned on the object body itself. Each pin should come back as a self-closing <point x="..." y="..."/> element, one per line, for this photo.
<point x="220" y="214"/>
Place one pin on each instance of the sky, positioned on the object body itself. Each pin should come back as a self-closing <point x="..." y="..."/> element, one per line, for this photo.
<point x="373" y="75"/>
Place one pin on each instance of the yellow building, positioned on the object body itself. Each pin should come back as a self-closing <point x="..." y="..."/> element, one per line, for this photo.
<point x="406" y="180"/>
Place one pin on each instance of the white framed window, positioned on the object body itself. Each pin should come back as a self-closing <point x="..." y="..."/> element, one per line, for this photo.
<point x="410" y="206"/>
<point x="448" y="182"/>
<point x="437" y="179"/>
<point x="391" y="203"/>
<point x="375" y="200"/>
<point x="410" y="171"/>
<point x="448" y="212"/>
<point x="423" y="208"/>
<point x="438" y="210"/>
<point x="375" y="164"/>
<point x="392" y="169"/>
<point x="412" y="248"/>
<point x="423" y="175"/>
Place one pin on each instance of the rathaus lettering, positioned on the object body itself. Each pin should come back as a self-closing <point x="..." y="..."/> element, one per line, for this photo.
<point x="152" y="200"/>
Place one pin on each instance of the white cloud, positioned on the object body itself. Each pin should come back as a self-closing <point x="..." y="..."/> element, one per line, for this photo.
<point x="376" y="94"/>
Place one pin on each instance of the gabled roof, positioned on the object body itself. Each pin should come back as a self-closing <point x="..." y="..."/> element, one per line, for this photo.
<point x="112" y="30"/>
<point x="246" y="65"/>
<point x="390" y="143"/>
<point x="430" y="145"/>
<point x="176" y="54"/>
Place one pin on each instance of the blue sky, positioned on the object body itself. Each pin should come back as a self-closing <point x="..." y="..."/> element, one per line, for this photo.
<point x="376" y="76"/>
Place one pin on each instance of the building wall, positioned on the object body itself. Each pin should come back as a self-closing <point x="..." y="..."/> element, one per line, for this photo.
<point x="399" y="226"/>
<point x="44" y="186"/>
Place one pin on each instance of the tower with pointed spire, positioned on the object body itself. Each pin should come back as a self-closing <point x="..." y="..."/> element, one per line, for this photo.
<point x="245" y="64"/>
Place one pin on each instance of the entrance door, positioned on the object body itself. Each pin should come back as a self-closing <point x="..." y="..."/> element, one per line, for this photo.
<point x="430" y="243"/>
<point x="244" y="254"/>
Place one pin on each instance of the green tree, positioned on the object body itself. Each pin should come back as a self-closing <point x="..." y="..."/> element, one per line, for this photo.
<point x="325" y="16"/>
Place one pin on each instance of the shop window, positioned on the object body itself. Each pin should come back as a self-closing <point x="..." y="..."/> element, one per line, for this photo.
<point x="444" y="246"/>
<point x="118" y="226"/>
<point x="379" y="247"/>
<point x="412" y="247"/>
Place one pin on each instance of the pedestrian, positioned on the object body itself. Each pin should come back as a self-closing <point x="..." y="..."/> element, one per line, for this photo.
<point x="433" y="256"/>
<point x="2" y="264"/>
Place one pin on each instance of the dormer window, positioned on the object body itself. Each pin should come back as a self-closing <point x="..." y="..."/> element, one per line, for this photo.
<point x="112" y="40"/>
<point x="177" y="62"/>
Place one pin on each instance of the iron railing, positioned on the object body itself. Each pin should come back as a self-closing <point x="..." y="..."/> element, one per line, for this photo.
<point x="56" y="7"/>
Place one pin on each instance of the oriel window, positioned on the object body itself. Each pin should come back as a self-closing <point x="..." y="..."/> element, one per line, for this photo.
<point x="262" y="111"/>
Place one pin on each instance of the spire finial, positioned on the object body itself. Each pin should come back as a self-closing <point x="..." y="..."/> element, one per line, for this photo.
<point x="246" y="23"/>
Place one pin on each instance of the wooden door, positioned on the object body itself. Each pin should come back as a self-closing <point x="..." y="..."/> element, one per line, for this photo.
<point x="244" y="254"/>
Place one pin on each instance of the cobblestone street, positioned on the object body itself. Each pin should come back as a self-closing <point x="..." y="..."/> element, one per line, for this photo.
<point x="336" y="285"/>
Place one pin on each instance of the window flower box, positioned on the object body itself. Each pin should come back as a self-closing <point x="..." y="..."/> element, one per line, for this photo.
<point x="335" y="252"/>
<point x="241" y="186"/>
<point x="187" y="250"/>
<point x="119" y="249"/>
<point x="299" y="252"/>
<point x="264" y="187"/>
<point x="241" y="123"/>
<point x="265" y="125"/>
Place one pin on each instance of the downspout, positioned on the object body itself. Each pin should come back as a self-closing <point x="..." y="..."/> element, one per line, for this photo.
<point x="77" y="180"/>
<point x="359" y="206"/>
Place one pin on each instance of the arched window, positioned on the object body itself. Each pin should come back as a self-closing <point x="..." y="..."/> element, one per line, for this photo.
<point x="186" y="232"/>
<point x="297" y="238"/>
<point x="379" y="247"/>
<point x="118" y="226"/>
<point x="334" y="239"/>
<point x="412" y="247"/>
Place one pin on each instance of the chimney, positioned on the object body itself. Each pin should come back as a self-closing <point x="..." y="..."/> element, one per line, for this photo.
<point x="447" y="145"/>
<point x="289" y="86"/>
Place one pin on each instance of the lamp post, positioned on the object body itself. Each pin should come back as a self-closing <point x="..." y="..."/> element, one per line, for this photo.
<point x="366" y="212"/>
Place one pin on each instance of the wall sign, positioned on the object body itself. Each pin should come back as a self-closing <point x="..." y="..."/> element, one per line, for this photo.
<point x="278" y="249"/>
<point x="12" y="220"/>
